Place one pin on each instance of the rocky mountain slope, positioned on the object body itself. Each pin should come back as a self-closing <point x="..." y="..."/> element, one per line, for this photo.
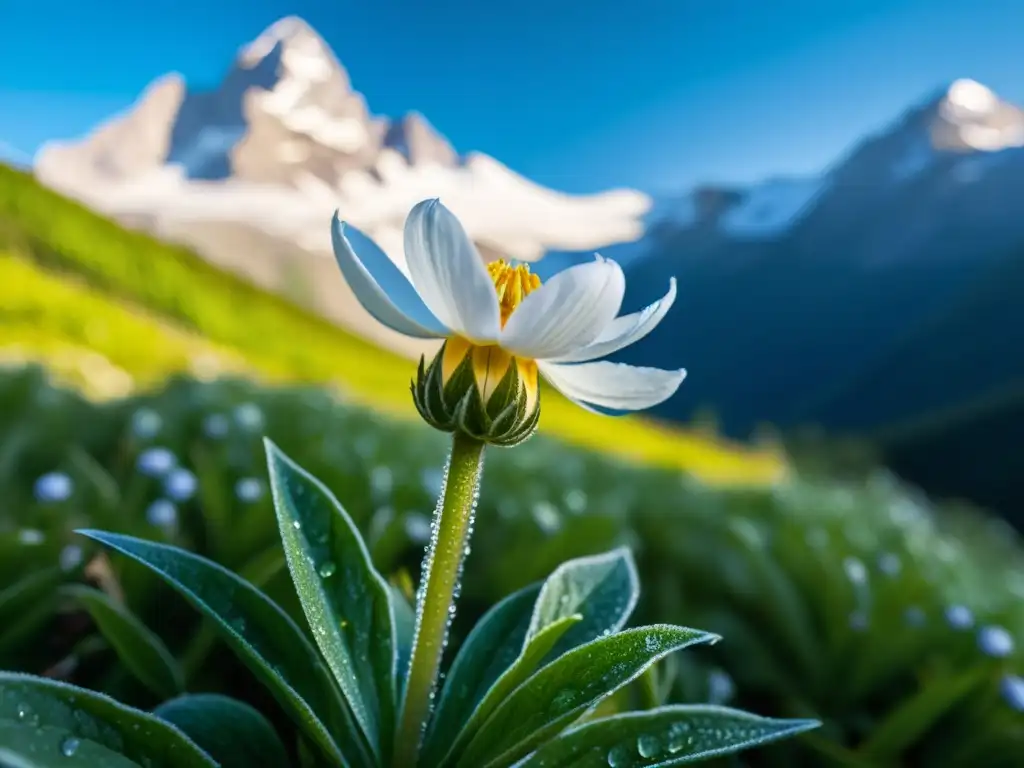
<point x="882" y="299"/>
<point x="249" y="173"/>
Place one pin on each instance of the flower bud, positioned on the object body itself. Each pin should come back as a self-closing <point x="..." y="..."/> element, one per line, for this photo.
<point x="480" y="391"/>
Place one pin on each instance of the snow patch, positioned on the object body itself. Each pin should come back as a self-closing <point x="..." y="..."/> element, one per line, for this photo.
<point x="769" y="209"/>
<point x="288" y="28"/>
<point x="293" y="152"/>
<point x="990" y="138"/>
<point x="968" y="98"/>
<point x="497" y="207"/>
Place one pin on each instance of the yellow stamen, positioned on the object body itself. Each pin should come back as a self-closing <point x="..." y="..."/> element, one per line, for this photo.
<point x="513" y="284"/>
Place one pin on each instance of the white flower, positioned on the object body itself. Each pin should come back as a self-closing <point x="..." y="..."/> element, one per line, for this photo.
<point x="500" y="316"/>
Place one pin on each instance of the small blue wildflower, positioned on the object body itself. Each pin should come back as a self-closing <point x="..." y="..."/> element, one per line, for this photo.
<point x="31" y="537"/>
<point x="53" y="487"/>
<point x="417" y="527"/>
<point x="146" y="424"/>
<point x="248" y="490"/>
<point x="959" y="617"/>
<point x="720" y="687"/>
<point x="249" y="416"/>
<point x="381" y="481"/>
<point x="914" y="616"/>
<point x="162" y="513"/>
<point x="1012" y="689"/>
<point x="70" y="557"/>
<point x="995" y="642"/>
<point x="576" y="500"/>
<point x="156" y="462"/>
<point x="216" y="426"/>
<point x="180" y="484"/>
<point x="858" y="621"/>
<point x="546" y="516"/>
<point x="855" y="570"/>
<point x="889" y="564"/>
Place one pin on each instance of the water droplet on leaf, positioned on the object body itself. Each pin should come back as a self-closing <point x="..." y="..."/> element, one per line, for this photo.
<point x="69" y="746"/>
<point x="648" y="746"/>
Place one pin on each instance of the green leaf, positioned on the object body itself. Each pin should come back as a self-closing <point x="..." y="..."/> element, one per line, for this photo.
<point x="44" y="748"/>
<point x="50" y="723"/>
<point x="262" y="635"/>
<point x="603" y="588"/>
<point x="566" y="688"/>
<point x="10" y="760"/>
<point x="26" y="605"/>
<point x="913" y="718"/>
<point x="141" y="651"/>
<point x="492" y="647"/>
<point x="232" y="733"/>
<point x="405" y="627"/>
<point x="346" y="602"/>
<point x="533" y="654"/>
<point x="663" y="737"/>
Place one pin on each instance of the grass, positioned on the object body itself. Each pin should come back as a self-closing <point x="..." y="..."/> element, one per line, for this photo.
<point x="96" y="268"/>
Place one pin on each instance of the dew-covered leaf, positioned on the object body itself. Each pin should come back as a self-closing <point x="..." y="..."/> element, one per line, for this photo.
<point x="50" y="723"/>
<point x="405" y="627"/>
<point x="8" y="759"/>
<point x="142" y="652"/>
<point x="346" y="602"/>
<point x="491" y="648"/>
<point x="533" y="654"/>
<point x="602" y="588"/>
<point x="660" y="738"/>
<point x="230" y="731"/>
<point x="262" y="635"/>
<point x="562" y="691"/>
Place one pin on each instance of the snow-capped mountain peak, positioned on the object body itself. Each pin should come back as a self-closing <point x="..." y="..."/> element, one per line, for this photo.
<point x="971" y="117"/>
<point x="258" y="164"/>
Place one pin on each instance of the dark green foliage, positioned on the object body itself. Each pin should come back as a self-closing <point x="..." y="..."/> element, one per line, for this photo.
<point x="836" y="601"/>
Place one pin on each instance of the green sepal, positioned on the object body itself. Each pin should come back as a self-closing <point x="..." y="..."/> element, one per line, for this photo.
<point x="457" y="405"/>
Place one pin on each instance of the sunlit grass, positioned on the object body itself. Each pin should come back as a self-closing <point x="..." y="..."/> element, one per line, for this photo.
<point x="153" y="309"/>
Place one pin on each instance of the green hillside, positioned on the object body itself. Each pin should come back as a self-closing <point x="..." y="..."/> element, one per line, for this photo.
<point x="75" y="287"/>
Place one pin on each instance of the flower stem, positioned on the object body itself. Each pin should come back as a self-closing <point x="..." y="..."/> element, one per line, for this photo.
<point x="452" y="523"/>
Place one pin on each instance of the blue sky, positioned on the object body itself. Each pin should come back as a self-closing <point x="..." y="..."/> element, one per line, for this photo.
<point x="577" y="94"/>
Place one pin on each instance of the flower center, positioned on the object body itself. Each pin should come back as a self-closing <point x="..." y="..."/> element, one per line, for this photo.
<point x="513" y="284"/>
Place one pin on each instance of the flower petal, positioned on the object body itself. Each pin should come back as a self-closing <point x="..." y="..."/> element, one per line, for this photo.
<point x="614" y="386"/>
<point x="449" y="274"/>
<point x="381" y="287"/>
<point x="567" y="312"/>
<point x="624" y="330"/>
